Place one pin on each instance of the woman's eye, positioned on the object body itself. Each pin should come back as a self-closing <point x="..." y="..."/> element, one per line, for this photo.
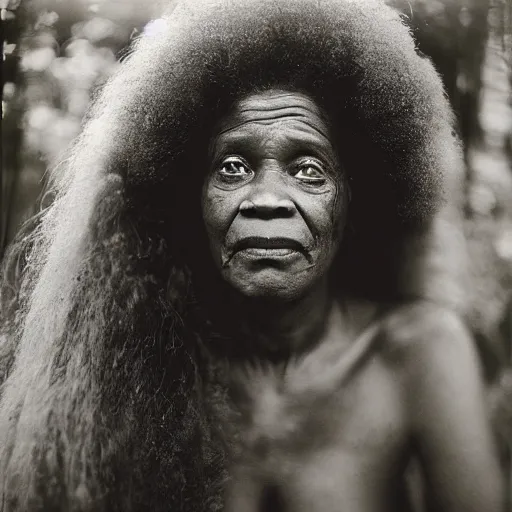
<point x="310" y="172"/>
<point x="234" y="169"/>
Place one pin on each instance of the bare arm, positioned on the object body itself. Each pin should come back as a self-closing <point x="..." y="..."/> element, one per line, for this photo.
<point x="448" y="415"/>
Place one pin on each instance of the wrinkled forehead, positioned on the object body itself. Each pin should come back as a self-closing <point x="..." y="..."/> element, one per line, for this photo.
<point x="272" y="105"/>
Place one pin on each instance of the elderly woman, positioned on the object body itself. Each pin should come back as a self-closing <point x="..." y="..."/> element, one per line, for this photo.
<point x="238" y="298"/>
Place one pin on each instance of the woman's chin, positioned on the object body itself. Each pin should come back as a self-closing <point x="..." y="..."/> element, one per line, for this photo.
<point x="270" y="283"/>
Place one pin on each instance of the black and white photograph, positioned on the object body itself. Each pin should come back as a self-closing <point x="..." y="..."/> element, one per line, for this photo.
<point x="256" y="256"/>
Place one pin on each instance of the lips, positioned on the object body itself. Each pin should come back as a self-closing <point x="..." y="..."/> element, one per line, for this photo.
<point x="269" y="248"/>
<point x="270" y="244"/>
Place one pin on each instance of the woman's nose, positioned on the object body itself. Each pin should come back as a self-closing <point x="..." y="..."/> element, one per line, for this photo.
<point x="268" y="197"/>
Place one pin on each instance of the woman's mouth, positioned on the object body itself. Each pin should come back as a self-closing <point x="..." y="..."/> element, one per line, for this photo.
<point x="261" y="252"/>
<point x="270" y="248"/>
<point x="268" y="244"/>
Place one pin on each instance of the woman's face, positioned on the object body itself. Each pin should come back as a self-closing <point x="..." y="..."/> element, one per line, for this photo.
<point x="273" y="202"/>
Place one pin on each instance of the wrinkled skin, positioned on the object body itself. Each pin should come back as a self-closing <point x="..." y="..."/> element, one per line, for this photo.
<point x="331" y="422"/>
<point x="274" y="199"/>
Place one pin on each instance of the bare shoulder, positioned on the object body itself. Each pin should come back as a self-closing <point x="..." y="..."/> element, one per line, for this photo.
<point x="423" y="333"/>
<point x="434" y="360"/>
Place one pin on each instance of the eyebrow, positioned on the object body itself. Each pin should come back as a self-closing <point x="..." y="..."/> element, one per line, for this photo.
<point x="306" y="144"/>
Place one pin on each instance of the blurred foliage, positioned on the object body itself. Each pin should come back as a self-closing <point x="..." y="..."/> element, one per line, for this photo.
<point x="57" y="52"/>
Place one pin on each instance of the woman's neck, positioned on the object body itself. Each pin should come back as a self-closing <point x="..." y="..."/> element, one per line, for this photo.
<point x="273" y="329"/>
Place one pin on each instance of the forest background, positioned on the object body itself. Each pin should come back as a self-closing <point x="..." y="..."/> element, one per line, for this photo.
<point x="57" y="53"/>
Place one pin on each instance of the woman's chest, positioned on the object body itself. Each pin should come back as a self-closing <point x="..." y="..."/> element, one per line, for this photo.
<point x="271" y="422"/>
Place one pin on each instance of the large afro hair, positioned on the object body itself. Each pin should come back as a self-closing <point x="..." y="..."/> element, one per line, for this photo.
<point x="101" y="403"/>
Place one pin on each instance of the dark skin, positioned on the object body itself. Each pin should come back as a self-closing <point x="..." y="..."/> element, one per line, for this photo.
<point x="272" y="204"/>
<point x="361" y="390"/>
